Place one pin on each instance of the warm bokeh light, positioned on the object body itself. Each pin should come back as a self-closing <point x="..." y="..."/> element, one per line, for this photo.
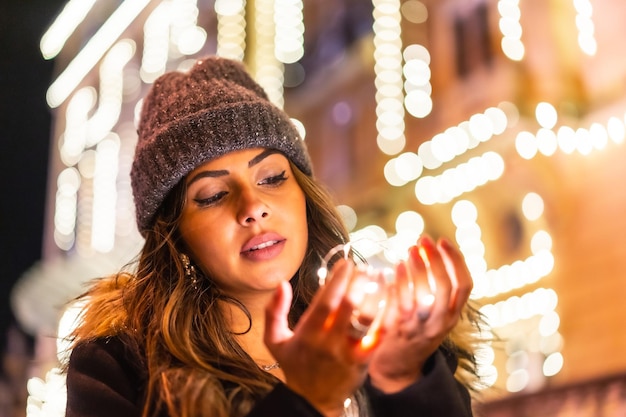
<point x="72" y="15"/>
<point x="532" y="206"/>
<point x="511" y="29"/>
<point x="402" y="169"/>
<point x="93" y="51"/>
<point x="586" y="28"/>
<point x="417" y="87"/>
<point x="231" y="28"/>
<point x="414" y="11"/>
<point x="553" y="364"/>
<point x="388" y="69"/>
<point x="289" y="29"/>
<point x="546" y="115"/>
<point x="268" y="70"/>
<point x="155" y="43"/>
<point x="463" y="178"/>
<point x="348" y="215"/>
<point x="105" y="194"/>
<point x="540" y="302"/>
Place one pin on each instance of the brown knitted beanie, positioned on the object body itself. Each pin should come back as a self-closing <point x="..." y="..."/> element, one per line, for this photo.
<point x="190" y="118"/>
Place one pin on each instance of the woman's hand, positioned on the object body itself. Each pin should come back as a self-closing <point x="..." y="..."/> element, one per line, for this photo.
<point x="425" y="303"/>
<point x="320" y="362"/>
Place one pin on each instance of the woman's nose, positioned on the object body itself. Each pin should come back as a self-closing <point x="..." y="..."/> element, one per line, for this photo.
<point x="251" y="208"/>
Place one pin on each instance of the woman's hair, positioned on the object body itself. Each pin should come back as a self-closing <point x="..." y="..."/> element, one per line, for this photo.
<point x="195" y="366"/>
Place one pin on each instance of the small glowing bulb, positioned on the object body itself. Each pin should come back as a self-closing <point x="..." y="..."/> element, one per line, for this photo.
<point x="322" y="273"/>
<point x="347" y="403"/>
<point x="427" y="300"/>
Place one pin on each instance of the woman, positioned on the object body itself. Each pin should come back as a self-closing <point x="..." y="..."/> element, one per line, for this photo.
<point x="223" y="314"/>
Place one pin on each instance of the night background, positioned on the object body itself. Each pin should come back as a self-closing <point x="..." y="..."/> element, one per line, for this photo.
<point x="582" y="224"/>
<point x="25" y="122"/>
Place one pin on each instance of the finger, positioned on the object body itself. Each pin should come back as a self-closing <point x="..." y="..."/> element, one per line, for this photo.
<point x="404" y="289"/>
<point x="276" y="313"/>
<point x="438" y="274"/>
<point x="320" y="313"/>
<point x="346" y="324"/>
<point x="460" y="275"/>
<point x="424" y="291"/>
<point x="390" y="311"/>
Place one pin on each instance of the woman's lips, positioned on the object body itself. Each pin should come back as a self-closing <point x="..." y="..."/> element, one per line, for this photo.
<point x="263" y="247"/>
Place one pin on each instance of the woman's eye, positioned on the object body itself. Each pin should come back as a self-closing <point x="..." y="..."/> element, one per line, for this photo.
<point x="274" y="180"/>
<point x="210" y="201"/>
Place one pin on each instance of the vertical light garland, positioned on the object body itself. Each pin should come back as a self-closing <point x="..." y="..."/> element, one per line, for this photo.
<point x="186" y="37"/>
<point x="231" y="28"/>
<point x="105" y="194"/>
<point x="389" y="81"/>
<point x="511" y="29"/>
<point x="268" y="70"/>
<point x="111" y="91"/>
<point x="417" y="98"/>
<point x="156" y="35"/>
<point x="289" y="30"/>
<point x="82" y="132"/>
<point x="66" y="208"/>
<point x="104" y="212"/>
<point x="586" y="28"/>
<point x="171" y="31"/>
<point x="417" y="87"/>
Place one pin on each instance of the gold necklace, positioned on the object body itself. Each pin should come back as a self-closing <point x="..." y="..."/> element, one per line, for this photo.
<point x="270" y="367"/>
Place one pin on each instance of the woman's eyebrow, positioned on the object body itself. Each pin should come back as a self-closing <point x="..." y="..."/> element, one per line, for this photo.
<point x="261" y="156"/>
<point x="208" y="173"/>
<point x="223" y="172"/>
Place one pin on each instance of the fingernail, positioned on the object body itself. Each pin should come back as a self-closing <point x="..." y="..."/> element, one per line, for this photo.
<point x="426" y="240"/>
<point x="445" y="243"/>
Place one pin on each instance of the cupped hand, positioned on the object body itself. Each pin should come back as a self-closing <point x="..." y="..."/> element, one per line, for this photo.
<point x="319" y="361"/>
<point x="425" y="303"/>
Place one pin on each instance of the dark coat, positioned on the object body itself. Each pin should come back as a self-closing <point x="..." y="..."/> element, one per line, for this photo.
<point x="104" y="380"/>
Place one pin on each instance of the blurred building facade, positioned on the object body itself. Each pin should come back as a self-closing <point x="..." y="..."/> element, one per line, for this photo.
<point x="498" y="123"/>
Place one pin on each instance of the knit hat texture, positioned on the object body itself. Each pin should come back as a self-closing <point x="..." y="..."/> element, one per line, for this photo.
<point x="190" y="118"/>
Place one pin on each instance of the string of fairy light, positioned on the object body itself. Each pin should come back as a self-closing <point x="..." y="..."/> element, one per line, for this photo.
<point x="93" y="207"/>
<point x="231" y="28"/>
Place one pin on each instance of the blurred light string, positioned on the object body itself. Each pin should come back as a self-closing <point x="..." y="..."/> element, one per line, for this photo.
<point x="388" y="76"/>
<point x="585" y="26"/>
<point x="289" y="30"/>
<point x="72" y="15"/>
<point x="93" y="51"/>
<point x="267" y="69"/>
<point x="511" y="29"/>
<point x="231" y="28"/>
<point x="170" y="32"/>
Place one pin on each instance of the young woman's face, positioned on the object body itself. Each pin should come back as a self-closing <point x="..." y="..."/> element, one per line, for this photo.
<point x="244" y="220"/>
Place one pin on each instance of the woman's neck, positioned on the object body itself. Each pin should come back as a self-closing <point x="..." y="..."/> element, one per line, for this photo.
<point x="249" y="331"/>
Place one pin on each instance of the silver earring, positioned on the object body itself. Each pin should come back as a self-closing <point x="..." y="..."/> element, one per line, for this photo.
<point x="190" y="270"/>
